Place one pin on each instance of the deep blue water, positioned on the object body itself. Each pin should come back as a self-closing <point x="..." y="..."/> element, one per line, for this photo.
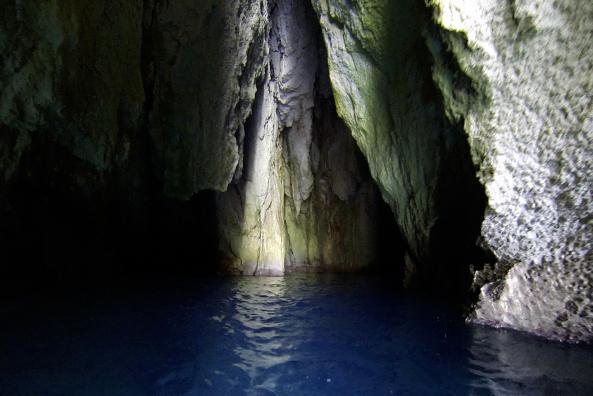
<point x="311" y="335"/>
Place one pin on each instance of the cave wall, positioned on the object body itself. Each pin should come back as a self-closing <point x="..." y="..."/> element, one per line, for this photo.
<point x="114" y="118"/>
<point x="71" y="95"/>
<point x="103" y="79"/>
<point x="71" y="72"/>
<point x="337" y="227"/>
<point x="202" y="59"/>
<point x="117" y="118"/>
<point x="514" y="79"/>
<point x="528" y="114"/>
<point x="305" y="201"/>
<point x="380" y="70"/>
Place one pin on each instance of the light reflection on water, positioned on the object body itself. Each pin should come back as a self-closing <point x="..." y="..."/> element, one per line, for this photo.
<point x="313" y="335"/>
<point x="259" y="316"/>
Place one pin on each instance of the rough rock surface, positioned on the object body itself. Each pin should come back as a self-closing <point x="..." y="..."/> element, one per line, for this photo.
<point x="93" y="75"/>
<point x="68" y="75"/>
<point x="250" y="213"/>
<point x="202" y="62"/>
<point x="108" y="107"/>
<point x="336" y="228"/>
<point x="108" y="110"/>
<point x="380" y="70"/>
<point x="528" y="112"/>
<point x="305" y="201"/>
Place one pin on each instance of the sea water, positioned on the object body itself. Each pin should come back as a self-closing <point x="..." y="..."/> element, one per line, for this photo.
<point x="296" y="335"/>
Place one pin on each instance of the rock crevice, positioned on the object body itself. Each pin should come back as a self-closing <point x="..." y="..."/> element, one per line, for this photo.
<point x="306" y="202"/>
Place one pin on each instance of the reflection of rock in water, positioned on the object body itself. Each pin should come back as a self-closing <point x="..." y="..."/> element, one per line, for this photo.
<point x="507" y="364"/>
<point x="259" y="306"/>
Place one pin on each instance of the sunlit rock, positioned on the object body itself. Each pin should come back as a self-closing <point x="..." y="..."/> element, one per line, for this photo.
<point x="305" y="201"/>
<point x="251" y="220"/>
<point x="529" y="117"/>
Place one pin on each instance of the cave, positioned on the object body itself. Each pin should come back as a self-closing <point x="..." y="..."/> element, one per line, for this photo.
<point x="296" y="197"/>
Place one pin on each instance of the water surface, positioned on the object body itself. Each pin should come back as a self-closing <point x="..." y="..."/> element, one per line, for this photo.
<point x="313" y="335"/>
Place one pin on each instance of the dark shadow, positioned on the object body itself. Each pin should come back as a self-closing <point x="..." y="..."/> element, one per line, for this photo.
<point x="445" y="201"/>
<point x="329" y="128"/>
<point x="59" y="233"/>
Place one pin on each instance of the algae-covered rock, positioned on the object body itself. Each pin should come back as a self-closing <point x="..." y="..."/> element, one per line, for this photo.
<point x="380" y="69"/>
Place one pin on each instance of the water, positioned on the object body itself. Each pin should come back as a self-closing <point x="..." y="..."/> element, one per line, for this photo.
<point x="313" y="335"/>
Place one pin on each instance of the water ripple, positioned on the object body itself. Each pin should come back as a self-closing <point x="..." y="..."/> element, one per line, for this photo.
<point x="299" y="335"/>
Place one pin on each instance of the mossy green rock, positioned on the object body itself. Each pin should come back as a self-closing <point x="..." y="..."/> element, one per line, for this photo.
<point x="380" y="69"/>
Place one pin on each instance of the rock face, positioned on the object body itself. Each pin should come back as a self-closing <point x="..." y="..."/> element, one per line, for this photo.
<point x="68" y="77"/>
<point x="133" y="108"/>
<point x="336" y="228"/>
<point x="251" y="220"/>
<point x="515" y="78"/>
<point x="94" y="76"/>
<point x="380" y="70"/>
<point x="113" y="115"/>
<point x="71" y="103"/>
<point x="201" y="62"/>
<point x="305" y="200"/>
<point x="116" y="117"/>
<point x="528" y="112"/>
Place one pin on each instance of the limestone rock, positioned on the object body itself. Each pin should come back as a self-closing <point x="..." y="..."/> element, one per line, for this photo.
<point x="305" y="201"/>
<point x="335" y="229"/>
<point x="529" y="118"/>
<point x="202" y="66"/>
<point x="380" y="69"/>
<point x="251" y="222"/>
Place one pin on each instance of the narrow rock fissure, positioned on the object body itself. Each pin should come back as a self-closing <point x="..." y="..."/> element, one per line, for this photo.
<point x="306" y="201"/>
